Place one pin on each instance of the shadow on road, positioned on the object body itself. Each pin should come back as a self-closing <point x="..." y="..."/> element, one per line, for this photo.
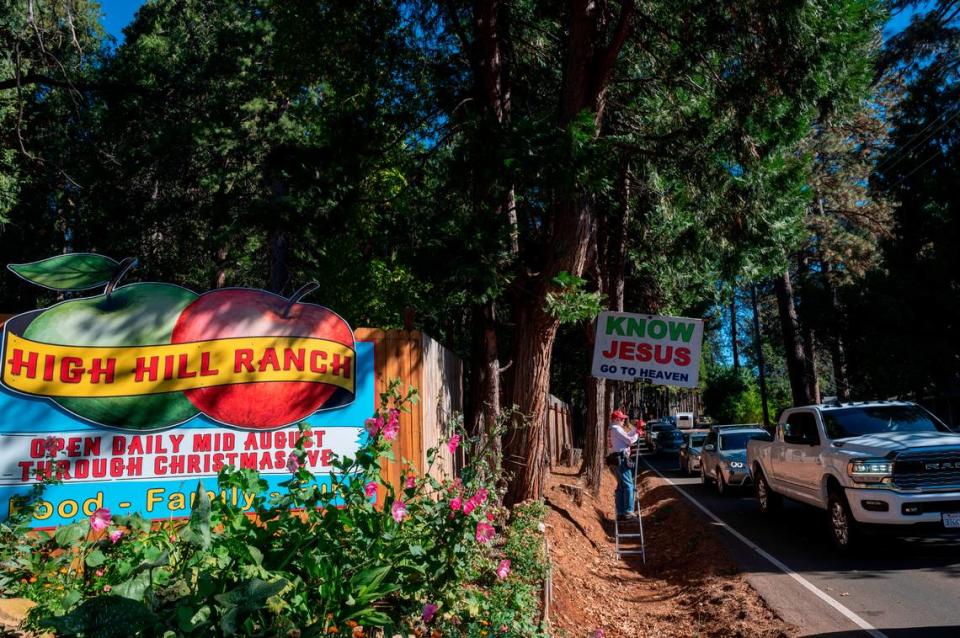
<point x="798" y="536"/>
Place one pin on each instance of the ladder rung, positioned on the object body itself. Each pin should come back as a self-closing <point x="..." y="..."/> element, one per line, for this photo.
<point x="630" y="551"/>
<point x="629" y="535"/>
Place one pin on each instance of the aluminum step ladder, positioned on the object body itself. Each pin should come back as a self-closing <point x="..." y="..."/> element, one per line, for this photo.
<point x="632" y="530"/>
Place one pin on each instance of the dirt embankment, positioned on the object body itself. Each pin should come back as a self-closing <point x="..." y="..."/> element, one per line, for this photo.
<point x="688" y="588"/>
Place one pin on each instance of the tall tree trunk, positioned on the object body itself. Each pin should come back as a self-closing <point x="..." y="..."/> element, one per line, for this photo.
<point x="536" y="330"/>
<point x="761" y="363"/>
<point x="490" y="386"/>
<point x="793" y="348"/>
<point x="278" y="260"/>
<point x="593" y="44"/>
<point x="733" y="328"/>
<point x="807" y="334"/>
<point x="608" y="267"/>
<point x="837" y="354"/>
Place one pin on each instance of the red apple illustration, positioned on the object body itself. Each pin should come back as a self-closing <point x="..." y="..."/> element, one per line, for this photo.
<point x="243" y="312"/>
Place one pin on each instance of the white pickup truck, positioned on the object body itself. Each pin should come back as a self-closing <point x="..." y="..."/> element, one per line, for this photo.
<point x="879" y="463"/>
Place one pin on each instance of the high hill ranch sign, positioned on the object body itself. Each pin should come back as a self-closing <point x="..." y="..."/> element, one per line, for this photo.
<point x="133" y="395"/>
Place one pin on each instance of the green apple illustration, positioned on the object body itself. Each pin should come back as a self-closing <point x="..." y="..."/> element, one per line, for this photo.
<point x="132" y="315"/>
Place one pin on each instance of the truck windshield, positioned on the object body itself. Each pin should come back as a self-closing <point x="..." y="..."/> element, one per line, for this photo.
<point x="697" y="441"/>
<point x="850" y="422"/>
<point x="738" y="440"/>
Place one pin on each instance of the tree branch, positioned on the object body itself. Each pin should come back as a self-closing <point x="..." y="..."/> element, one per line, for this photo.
<point x="46" y="80"/>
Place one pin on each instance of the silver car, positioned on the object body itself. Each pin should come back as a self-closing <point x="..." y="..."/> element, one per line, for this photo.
<point x="723" y="458"/>
<point x="690" y="450"/>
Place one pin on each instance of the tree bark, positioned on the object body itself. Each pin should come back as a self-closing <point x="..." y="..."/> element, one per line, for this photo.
<point x="536" y="330"/>
<point x="278" y="261"/>
<point x="837" y="354"/>
<point x="608" y="269"/>
<point x="761" y="363"/>
<point x="589" y="57"/>
<point x="733" y="328"/>
<point x="811" y="377"/>
<point x="793" y="348"/>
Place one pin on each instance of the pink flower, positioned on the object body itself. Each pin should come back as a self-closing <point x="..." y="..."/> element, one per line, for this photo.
<point x="399" y="510"/>
<point x="480" y="496"/>
<point x="485" y="532"/>
<point x="99" y="573"/>
<point x="453" y="443"/>
<point x="411" y="482"/>
<point x="370" y="489"/>
<point x="469" y="506"/>
<point x="503" y="569"/>
<point x="598" y="633"/>
<point x="293" y="463"/>
<point x="490" y="516"/>
<point x="107" y="588"/>
<point x="172" y="538"/>
<point x="116" y="535"/>
<point x="503" y="628"/>
<point x="428" y="612"/>
<point x="392" y="428"/>
<point x="374" y="425"/>
<point x="100" y="520"/>
<point x="456" y="503"/>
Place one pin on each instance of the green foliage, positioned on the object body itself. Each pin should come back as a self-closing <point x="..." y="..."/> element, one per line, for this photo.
<point x="731" y="396"/>
<point x="570" y="302"/>
<point x="318" y="558"/>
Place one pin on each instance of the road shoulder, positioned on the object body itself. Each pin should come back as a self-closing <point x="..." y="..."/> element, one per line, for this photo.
<point x="689" y="586"/>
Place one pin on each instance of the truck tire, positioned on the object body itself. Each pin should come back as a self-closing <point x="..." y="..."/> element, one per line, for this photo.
<point x="844" y="532"/>
<point x="704" y="480"/>
<point x="770" y="502"/>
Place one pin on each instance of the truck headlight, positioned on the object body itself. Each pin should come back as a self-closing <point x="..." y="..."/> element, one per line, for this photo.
<point x="870" y="470"/>
<point x="736" y="465"/>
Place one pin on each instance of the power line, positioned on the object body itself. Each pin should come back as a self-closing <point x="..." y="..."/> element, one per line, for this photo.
<point x="886" y="166"/>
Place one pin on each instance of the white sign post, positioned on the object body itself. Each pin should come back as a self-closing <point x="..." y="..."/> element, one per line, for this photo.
<point x="665" y="350"/>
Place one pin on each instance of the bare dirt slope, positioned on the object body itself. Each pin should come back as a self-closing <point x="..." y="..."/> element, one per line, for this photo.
<point x="688" y="587"/>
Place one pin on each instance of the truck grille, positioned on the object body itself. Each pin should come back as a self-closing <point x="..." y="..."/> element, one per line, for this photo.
<point x="937" y="469"/>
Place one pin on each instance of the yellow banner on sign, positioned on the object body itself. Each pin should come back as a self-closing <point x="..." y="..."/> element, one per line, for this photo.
<point x="48" y="370"/>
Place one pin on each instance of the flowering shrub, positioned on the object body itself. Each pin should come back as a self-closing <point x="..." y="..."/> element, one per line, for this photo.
<point x="312" y="560"/>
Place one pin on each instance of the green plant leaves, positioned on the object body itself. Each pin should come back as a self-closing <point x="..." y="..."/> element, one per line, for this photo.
<point x="69" y="535"/>
<point x="197" y="531"/>
<point x="104" y="616"/>
<point x="73" y="271"/>
<point x="95" y="558"/>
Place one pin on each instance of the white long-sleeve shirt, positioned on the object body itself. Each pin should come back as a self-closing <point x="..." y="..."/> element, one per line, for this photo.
<point x="618" y="439"/>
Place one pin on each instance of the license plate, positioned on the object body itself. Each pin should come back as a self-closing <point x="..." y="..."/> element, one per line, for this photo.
<point x="951" y="519"/>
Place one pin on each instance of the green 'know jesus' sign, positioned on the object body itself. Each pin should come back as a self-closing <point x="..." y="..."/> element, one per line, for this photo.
<point x="665" y="350"/>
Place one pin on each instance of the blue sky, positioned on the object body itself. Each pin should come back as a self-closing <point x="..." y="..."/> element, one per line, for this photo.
<point x="119" y="13"/>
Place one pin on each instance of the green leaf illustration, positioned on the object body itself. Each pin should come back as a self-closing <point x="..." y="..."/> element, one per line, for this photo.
<point x="73" y="271"/>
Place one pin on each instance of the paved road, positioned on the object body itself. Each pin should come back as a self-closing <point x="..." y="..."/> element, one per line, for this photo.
<point x="902" y="587"/>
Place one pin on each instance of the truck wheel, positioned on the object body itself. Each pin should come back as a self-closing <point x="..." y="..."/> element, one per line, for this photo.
<point x="769" y="500"/>
<point x="703" y="476"/>
<point x="843" y="527"/>
<point x="721" y="484"/>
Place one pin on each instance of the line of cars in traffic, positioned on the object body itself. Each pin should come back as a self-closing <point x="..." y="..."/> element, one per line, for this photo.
<point x="877" y="465"/>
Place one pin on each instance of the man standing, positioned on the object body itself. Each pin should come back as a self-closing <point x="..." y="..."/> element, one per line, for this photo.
<point x="621" y="437"/>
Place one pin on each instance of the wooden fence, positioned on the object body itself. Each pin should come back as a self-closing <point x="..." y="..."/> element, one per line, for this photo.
<point x="437" y="374"/>
<point x="559" y="432"/>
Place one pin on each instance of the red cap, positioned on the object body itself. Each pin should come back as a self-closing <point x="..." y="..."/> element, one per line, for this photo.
<point x="617" y="414"/>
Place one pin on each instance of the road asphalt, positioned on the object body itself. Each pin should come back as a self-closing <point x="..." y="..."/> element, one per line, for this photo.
<point x="897" y="587"/>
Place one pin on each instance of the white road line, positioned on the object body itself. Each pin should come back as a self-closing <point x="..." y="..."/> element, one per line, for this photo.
<point x="850" y="615"/>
